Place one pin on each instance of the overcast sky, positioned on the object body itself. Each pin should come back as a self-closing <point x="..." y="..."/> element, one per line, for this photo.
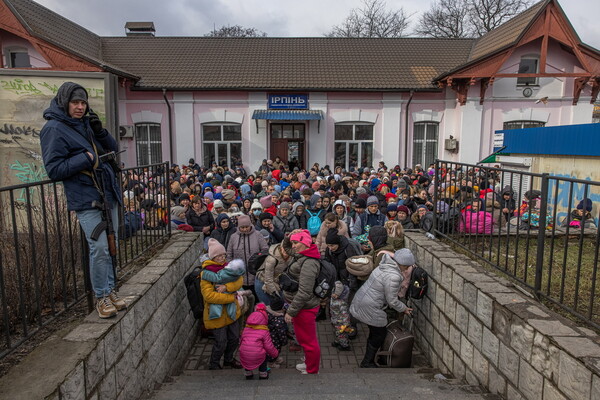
<point x="275" y="17"/>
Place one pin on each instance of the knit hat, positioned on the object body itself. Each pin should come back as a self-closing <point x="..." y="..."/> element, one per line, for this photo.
<point x="208" y="195"/>
<point x="296" y="195"/>
<point x="378" y="236"/>
<point x="392" y="207"/>
<point x="401" y="184"/>
<point x="372" y="200"/>
<point x="585" y="204"/>
<point x="217" y="204"/>
<point x="422" y="206"/>
<point x="256" y="205"/>
<point x="243" y="220"/>
<point x="276" y="303"/>
<point x="361" y="190"/>
<point x="215" y="248"/>
<point x="285" y="204"/>
<point x="390" y="196"/>
<point x="403" y="209"/>
<point x="360" y="203"/>
<point x="313" y="200"/>
<point x="404" y="257"/>
<point x="303" y="237"/>
<point x="338" y="289"/>
<point x="79" y="94"/>
<point x="264" y="216"/>
<point x="228" y="195"/>
<point x="333" y="236"/>
<point x="184" y="196"/>
<point x="266" y="201"/>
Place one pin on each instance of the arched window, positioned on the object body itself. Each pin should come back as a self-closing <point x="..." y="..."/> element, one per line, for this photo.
<point x="523" y="124"/>
<point x="354" y="145"/>
<point x="222" y="144"/>
<point x="425" y="142"/>
<point x="148" y="143"/>
<point x="17" y="57"/>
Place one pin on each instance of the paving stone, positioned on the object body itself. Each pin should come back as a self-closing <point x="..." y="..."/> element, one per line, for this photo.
<point x="462" y="318"/>
<point x="530" y="381"/>
<point x="537" y="311"/>
<point x="466" y="351"/>
<point x="94" y="367"/>
<point x="475" y="331"/>
<point x="545" y="357"/>
<point x="522" y="338"/>
<point x="579" y="346"/>
<point x="551" y="392"/>
<point x="574" y="380"/>
<point x="159" y="263"/>
<point x="501" y="323"/>
<point x="87" y="332"/>
<point x="470" y="297"/>
<point x="112" y="346"/>
<point x="497" y="383"/>
<point x="507" y="298"/>
<point x="480" y="367"/>
<point x="595" y="387"/>
<point x="458" y="283"/>
<point x="513" y="394"/>
<point x="108" y="386"/>
<point x="551" y="327"/>
<point x="508" y="363"/>
<point x="495" y="287"/>
<point x="489" y="345"/>
<point x="485" y="307"/>
<point x="73" y="388"/>
<point x="454" y="338"/>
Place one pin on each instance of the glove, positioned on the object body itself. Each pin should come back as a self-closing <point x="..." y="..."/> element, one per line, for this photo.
<point x="95" y="123"/>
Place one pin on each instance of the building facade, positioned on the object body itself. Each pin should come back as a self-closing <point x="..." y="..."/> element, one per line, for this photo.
<point x="346" y="102"/>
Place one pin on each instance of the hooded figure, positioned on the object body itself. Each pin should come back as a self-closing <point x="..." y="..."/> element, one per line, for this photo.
<point x="288" y="222"/>
<point x="244" y="243"/>
<point x="256" y="343"/>
<point x="223" y="234"/>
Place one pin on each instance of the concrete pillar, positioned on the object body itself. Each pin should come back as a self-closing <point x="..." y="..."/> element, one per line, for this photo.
<point x="184" y="135"/>
<point x="391" y="132"/>
<point x="255" y="144"/>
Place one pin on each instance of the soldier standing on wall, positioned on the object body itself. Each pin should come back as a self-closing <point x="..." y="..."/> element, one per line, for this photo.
<point x="73" y="142"/>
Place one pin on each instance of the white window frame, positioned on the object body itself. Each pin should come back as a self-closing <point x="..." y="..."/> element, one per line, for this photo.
<point x="15" y="50"/>
<point x="522" y="123"/>
<point x="354" y="141"/>
<point x="217" y="142"/>
<point x="427" y="142"/>
<point x="143" y="139"/>
<point x="535" y="82"/>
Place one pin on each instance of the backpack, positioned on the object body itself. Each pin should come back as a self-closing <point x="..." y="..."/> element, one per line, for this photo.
<point x="417" y="287"/>
<point x="255" y="261"/>
<point x="314" y="223"/>
<point x="325" y="282"/>
<point x="194" y="295"/>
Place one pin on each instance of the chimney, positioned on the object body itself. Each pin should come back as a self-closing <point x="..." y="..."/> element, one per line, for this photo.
<point x="140" y="29"/>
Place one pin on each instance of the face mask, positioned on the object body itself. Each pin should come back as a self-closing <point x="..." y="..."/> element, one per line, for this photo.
<point x="256" y="212"/>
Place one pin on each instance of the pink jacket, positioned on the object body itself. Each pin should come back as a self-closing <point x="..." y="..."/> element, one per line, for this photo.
<point x="256" y="341"/>
<point x="479" y="222"/>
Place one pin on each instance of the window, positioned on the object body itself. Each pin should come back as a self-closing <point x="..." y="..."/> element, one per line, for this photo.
<point x="523" y="124"/>
<point x="287" y="131"/>
<point x="148" y="143"/>
<point x="425" y="142"/>
<point x="353" y="145"/>
<point x="222" y="144"/>
<point x="17" y="57"/>
<point x="528" y="65"/>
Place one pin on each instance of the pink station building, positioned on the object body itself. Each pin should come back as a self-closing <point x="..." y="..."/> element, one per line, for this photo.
<point x="337" y="101"/>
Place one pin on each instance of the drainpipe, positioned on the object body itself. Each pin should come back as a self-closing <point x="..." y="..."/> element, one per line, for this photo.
<point x="406" y="129"/>
<point x="170" y="126"/>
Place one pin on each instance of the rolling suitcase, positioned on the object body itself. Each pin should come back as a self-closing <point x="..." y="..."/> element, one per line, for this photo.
<point x="396" y="351"/>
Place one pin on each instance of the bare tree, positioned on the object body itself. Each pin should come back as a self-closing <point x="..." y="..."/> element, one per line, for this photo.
<point x="490" y="14"/>
<point x="446" y="19"/>
<point x="236" y="31"/>
<point x="467" y="18"/>
<point x="372" y="20"/>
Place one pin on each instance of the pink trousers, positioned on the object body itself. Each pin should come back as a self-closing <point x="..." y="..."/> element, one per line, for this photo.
<point x="305" y="327"/>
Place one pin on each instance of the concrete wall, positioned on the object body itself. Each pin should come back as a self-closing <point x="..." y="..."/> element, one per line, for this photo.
<point x="122" y="357"/>
<point x="478" y="327"/>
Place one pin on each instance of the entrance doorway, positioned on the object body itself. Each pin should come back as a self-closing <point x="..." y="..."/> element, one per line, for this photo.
<point x="288" y="142"/>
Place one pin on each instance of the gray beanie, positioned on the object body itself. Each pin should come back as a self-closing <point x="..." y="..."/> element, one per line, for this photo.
<point x="372" y="200"/>
<point x="79" y="94"/>
<point x="404" y="257"/>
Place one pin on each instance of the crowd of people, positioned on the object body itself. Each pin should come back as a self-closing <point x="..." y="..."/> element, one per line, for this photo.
<point x="299" y="217"/>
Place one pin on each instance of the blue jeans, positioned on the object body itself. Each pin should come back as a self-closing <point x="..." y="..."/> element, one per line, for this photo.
<point x="101" y="270"/>
<point x="262" y="296"/>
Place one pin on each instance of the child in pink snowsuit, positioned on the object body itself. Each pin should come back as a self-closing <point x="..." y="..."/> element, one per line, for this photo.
<point x="256" y="344"/>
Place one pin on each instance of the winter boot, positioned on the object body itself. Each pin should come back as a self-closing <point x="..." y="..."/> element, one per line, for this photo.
<point x="369" y="359"/>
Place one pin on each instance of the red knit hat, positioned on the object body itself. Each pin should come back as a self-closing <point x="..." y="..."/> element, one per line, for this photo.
<point x="390" y="196"/>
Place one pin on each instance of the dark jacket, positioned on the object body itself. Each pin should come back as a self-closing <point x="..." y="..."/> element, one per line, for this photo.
<point x="200" y="221"/>
<point x="367" y="218"/>
<point x="65" y="141"/>
<point x="223" y="236"/>
<point x="338" y="259"/>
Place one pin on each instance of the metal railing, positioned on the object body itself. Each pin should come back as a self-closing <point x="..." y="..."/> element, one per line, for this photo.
<point x="44" y="255"/>
<point x="541" y="240"/>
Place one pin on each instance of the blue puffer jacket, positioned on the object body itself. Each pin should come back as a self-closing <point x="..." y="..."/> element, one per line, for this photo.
<point x="64" y="145"/>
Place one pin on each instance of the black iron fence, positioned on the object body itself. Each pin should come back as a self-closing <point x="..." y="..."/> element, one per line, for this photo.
<point x="44" y="254"/>
<point x="539" y="229"/>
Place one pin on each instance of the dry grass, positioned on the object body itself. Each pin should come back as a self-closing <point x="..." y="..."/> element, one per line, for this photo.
<point x="565" y="259"/>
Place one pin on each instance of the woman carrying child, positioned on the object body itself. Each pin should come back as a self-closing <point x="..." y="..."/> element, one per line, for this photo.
<point x="225" y="327"/>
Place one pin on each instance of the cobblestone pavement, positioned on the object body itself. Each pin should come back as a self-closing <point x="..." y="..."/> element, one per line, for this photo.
<point x="339" y="378"/>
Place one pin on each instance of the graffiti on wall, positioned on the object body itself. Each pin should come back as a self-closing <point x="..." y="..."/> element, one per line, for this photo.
<point x="559" y="192"/>
<point x="23" y="100"/>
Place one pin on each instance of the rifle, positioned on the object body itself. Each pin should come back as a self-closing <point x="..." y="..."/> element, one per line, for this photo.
<point x="106" y="225"/>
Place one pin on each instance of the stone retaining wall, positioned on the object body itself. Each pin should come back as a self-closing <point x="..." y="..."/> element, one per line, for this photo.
<point x="122" y="357"/>
<point x="479" y="327"/>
